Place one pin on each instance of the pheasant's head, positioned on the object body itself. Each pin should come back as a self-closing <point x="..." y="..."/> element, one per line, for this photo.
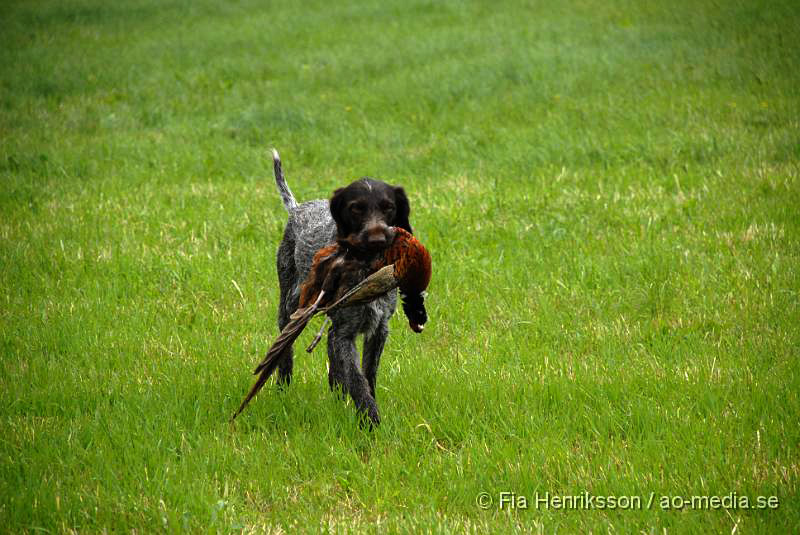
<point x="412" y="269"/>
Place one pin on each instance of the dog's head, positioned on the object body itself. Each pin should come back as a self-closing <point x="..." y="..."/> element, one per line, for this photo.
<point x="365" y="212"/>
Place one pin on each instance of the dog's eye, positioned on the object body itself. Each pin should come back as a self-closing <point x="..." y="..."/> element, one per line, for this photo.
<point x="357" y="208"/>
<point x="387" y="206"/>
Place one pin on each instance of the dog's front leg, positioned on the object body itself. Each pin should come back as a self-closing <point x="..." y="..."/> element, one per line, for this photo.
<point x="373" y="349"/>
<point x="344" y="373"/>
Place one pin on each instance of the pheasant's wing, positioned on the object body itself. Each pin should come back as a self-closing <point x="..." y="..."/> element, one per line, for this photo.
<point x="365" y="291"/>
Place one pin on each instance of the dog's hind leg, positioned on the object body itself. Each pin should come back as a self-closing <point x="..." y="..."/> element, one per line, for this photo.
<point x="287" y="273"/>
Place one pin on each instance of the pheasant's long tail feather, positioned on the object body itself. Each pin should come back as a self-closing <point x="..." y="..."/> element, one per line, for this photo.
<point x="250" y="395"/>
<point x="287" y="337"/>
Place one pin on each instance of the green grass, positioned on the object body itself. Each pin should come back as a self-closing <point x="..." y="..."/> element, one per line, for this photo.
<point x="610" y="193"/>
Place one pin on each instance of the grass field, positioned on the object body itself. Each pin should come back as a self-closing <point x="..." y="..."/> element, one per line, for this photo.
<point x="610" y="193"/>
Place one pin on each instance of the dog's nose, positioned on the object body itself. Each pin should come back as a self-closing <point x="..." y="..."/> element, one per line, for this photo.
<point x="377" y="235"/>
<point x="376" y="239"/>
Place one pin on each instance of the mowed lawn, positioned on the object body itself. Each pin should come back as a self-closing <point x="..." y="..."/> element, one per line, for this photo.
<point x="611" y="195"/>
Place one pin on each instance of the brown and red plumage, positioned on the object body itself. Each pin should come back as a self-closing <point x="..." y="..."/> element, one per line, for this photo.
<point x="333" y="282"/>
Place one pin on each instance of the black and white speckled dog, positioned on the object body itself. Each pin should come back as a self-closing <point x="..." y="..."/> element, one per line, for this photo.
<point x="360" y="218"/>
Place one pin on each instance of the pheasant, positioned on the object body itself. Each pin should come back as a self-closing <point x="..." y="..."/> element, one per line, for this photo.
<point x="405" y="264"/>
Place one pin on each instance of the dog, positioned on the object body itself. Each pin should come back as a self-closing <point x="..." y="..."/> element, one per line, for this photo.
<point x="360" y="219"/>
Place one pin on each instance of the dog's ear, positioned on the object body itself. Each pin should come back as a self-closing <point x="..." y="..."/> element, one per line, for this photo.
<point x="337" y="206"/>
<point x="403" y="210"/>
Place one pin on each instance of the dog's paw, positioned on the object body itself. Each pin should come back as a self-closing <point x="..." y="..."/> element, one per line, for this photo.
<point x="369" y="415"/>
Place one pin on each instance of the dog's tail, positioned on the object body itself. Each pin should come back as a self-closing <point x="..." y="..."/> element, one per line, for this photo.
<point x="286" y="194"/>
